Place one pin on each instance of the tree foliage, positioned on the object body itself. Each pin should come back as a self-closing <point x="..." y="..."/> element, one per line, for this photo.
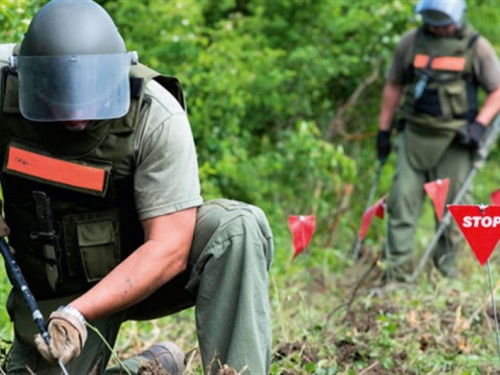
<point x="15" y="16"/>
<point x="264" y="81"/>
<point x="283" y="96"/>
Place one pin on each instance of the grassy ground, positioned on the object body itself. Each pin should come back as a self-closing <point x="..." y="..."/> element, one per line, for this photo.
<point x="434" y="326"/>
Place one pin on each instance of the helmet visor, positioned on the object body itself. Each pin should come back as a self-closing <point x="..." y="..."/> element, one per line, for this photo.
<point x="436" y="18"/>
<point x="80" y="87"/>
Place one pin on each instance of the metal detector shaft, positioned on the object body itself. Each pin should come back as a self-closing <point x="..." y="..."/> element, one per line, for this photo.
<point x="22" y="286"/>
<point x="373" y="190"/>
<point x="482" y="154"/>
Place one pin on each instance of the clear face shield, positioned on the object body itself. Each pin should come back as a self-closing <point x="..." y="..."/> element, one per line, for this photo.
<point x="71" y="88"/>
<point x="436" y="18"/>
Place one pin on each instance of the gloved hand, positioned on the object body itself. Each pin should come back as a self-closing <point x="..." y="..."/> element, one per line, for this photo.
<point x="471" y="135"/>
<point x="67" y="331"/>
<point x="383" y="144"/>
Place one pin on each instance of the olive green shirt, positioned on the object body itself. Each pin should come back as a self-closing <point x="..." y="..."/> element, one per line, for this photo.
<point x="486" y="65"/>
<point x="166" y="169"/>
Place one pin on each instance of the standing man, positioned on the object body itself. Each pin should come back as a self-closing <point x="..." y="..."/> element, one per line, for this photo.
<point x="434" y="77"/>
<point x="101" y="193"/>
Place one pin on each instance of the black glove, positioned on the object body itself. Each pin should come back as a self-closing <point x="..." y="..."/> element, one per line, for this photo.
<point x="471" y="135"/>
<point x="383" y="144"/>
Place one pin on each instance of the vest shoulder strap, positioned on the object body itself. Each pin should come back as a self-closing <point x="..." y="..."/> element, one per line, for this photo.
<point x="473" y="40"/>
<point x="140" y="75"/>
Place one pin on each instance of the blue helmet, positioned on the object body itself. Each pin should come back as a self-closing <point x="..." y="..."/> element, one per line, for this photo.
<point x="442" y="12"/>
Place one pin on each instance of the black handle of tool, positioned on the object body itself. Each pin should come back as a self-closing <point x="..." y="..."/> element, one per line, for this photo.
<point x="373" y="190"/>
<point x="22" y="286"/>
<point x="47" y="232"/>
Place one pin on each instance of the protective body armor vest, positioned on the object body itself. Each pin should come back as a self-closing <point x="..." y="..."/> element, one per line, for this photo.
<point x="88" y="177"/>
<point x="449" y="99"/>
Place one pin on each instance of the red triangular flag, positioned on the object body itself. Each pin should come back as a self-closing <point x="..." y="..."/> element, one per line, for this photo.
<point x="437" y="191"/>
<point x="302" y="228"/>
<point x="378" y="210"/>
<point x="495" y="197"/>
<point x="480" y="226"/>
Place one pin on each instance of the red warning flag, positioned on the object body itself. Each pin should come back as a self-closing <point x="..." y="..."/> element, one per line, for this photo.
<point x="437" y="191"/>
<point x="302" y="228"/>
<point x="480" y="226"/>
<point x="378" y="210"/>
<point x="495" y="197"/>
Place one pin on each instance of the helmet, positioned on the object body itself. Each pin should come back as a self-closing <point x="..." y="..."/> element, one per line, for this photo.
<point x="442" y="12"/>
<point x="73" y="64"/>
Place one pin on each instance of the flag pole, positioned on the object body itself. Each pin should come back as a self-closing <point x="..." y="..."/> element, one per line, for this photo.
<point x="494" y="305"/>
<point x="307" y="274"/>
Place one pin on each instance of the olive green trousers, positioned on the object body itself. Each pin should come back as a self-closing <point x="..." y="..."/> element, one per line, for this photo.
<point x="227" y="282"/>
<point x="405" y="204"/>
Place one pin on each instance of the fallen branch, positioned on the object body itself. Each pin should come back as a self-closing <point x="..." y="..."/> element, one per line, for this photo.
<point x="336" y="125"/>
<point x="353" y="294"/>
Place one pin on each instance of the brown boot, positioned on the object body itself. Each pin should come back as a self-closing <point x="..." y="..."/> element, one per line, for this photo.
<point x="165" y="355"/>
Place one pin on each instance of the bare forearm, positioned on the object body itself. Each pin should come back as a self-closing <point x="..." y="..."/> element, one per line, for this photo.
<point x="163" y="256"/>
<point x="130" y="282"/>
<point x="490" y="108"/>
<point x="390" y="101"/>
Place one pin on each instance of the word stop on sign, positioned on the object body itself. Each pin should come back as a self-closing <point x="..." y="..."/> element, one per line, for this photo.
<point x="481" y="221"/>
<point x="480" y="226"/>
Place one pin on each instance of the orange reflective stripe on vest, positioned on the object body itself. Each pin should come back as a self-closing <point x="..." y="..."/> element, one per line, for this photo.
<point x="456" y="64"/>
<point x="29" y="163"/>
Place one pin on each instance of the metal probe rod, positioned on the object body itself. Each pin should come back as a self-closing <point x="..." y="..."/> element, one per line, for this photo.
<point x="21" y="284"/>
